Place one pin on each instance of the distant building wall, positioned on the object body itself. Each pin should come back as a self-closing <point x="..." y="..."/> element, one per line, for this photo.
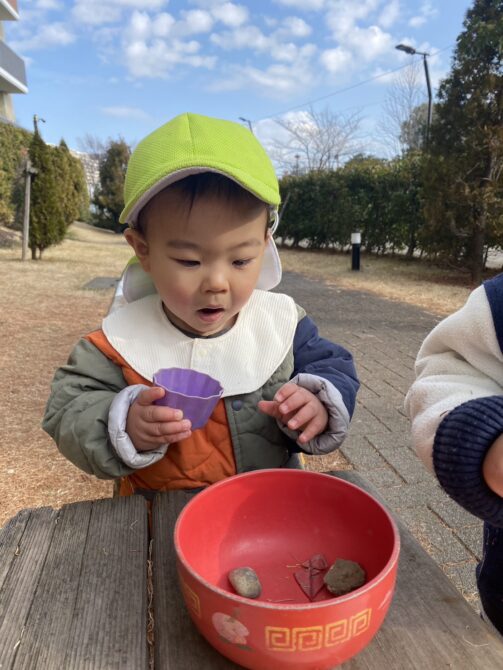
<point x="12" y="67"/>
<point x="91" y="169"/>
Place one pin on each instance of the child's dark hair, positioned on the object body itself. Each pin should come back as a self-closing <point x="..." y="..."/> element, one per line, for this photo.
<point x="210" y="184"/>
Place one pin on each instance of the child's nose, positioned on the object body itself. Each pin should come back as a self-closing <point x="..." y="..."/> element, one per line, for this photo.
<point x="215" y="282"/>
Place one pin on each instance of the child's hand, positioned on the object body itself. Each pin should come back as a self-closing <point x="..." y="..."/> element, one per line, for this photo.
<point x="298" y="409"/>
<point x="492" y="467"/>
<point x="150" y="425"/>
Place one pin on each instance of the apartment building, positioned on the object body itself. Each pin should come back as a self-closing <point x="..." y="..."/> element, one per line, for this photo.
<point x="12" y="69"/>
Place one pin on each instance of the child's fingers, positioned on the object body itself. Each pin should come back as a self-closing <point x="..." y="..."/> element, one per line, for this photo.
<point x="170" y="428"/>
<point x="286" y="391"/>
<point x="177" y="437"/>
<point x="294" y="402"/>
<point x="269" y="407"/>
<point x="149" y="442"/>
<point x="313" y="428"/>
<point x="300" y="418"/>
<point x="161" y="414"/>
<point x="148" y="396"/>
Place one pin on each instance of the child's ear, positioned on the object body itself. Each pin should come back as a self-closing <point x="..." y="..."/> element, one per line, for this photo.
<point x="140" y="245"/>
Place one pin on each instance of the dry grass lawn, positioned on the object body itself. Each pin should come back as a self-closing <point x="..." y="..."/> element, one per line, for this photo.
<point x="45" y="309"/>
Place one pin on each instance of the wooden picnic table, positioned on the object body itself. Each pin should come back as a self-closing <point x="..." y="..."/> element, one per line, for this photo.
<point x="86" y="587"/>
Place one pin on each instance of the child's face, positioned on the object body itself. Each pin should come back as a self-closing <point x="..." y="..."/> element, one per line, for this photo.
<point x="205" y="262"/>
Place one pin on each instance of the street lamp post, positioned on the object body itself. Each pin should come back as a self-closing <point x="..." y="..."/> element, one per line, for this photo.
<point x="247" y="121"/>
<point x="412" y="52"/>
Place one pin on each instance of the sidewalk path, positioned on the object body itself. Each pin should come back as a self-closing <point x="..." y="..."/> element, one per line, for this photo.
<point x="384" y="337"/>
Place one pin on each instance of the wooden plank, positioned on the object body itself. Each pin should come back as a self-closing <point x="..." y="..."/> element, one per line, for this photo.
<point x="429" y="623"/>
<point x="10" y="535"/>
<point x="45" y="639"/>
<point x="109" y="625"/>
<point x="32" y="533"/>
<point x="177" y="642"/>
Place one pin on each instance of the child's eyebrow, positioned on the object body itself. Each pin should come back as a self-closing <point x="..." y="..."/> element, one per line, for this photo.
<point x="185" y="244"/>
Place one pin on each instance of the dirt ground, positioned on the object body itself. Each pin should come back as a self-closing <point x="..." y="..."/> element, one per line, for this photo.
<point x="45" y="308"/>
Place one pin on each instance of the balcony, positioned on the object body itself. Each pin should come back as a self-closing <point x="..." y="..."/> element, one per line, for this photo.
<point x="8" y="10"/>
<point x="12" y="71"/>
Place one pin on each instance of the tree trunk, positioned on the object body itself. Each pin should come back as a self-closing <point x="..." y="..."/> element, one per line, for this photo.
<point x="477" y="261"/>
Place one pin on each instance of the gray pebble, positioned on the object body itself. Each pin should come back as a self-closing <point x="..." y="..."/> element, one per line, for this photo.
<point x="245" y="582"/>
<point x="344" y="576"/>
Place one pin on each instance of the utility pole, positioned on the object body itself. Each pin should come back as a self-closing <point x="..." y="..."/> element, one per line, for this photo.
<point x="36" y="119"/>
<point x="29" y="172"/>
<point x="412" y="52"/>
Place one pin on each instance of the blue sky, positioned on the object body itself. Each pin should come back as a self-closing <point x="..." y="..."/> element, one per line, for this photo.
<point x="124" y="67"/>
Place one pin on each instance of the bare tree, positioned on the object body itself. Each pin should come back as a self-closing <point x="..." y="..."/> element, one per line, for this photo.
<point x="92" y="145"/>
<point x="315" y="141"/>
<point x="401" y="107"/>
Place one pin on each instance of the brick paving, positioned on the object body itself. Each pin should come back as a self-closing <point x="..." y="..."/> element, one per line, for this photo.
<point x="384" y="337"/>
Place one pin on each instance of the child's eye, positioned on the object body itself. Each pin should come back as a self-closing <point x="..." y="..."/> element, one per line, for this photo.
<point x="242" y="262"/>
<point x="186" y="263"/>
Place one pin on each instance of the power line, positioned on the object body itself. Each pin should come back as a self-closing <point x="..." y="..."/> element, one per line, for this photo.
<point x="344" y="90"/>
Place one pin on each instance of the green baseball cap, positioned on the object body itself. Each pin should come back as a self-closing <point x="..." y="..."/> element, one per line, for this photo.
<point x="186" y="145"/>
<point x="192" y="143"/>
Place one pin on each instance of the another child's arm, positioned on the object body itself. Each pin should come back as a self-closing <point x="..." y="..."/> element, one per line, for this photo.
<point x="321" y="395"/>
<point x="456" y="407"/>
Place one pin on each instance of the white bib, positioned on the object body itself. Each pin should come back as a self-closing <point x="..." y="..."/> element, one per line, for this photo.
<point x="242" y="359"/>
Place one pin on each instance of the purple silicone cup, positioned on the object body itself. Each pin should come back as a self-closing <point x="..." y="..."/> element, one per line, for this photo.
<point x="195" y="393"/>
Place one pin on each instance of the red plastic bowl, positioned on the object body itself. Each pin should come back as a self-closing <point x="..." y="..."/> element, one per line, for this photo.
<point x="272" y="520"/>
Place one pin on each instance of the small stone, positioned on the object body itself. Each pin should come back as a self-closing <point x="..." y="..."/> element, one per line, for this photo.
<point x="344" y="576"/>
<point x="245" y="582"/>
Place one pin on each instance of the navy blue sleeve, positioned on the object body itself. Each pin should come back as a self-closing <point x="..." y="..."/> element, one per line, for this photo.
<point x="461" y="443"/>
<point x="316" y="356"/>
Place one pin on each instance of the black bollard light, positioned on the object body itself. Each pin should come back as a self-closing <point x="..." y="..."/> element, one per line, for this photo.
<point x="356" y="239"/>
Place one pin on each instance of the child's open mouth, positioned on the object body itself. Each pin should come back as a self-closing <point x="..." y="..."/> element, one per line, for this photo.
<point x="210" y="314"/>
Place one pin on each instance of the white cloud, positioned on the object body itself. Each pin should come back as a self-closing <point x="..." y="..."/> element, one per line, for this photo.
<point x="126" y="113"/>
<point x="368" y="42"/>
<point x="427" y="11"/>
<point x="336" y="60"/>
<point x="151" y="49"/>
<point x="343" y="16"/>
<point x="96" y="12"/>
<point x="247" y="37"/>
<point x="142" y="26"/>
<point x="389" y="14"/>
<point x="230" y="14"/>
<point x="47" y="4"/>
<point x="49" y="35"/>
<point x="417" y="21"/>
<point x="284" y="52"/>
<point x="306" y="5"/>
<point x="295" y="27"/>
<point x="276" y="81"/>
<point x="197" y="21"/>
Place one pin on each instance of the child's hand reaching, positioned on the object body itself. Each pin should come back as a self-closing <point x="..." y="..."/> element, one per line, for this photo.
<point x="492" y="467"/>
<point x="150" y="425"/>
<point x="298" y="409"/>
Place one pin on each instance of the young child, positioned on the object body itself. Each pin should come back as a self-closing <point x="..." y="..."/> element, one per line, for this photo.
<point x="456" y="407"/>
<point x="201" y="203"/>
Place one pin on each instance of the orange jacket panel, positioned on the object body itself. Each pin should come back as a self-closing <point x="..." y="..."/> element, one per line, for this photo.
<point x="202" y="459"/>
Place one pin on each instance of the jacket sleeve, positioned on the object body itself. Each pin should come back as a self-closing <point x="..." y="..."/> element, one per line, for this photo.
<point x="77" y="411"/>
<point x="327" y="370"/>
<point x="456" y="404"/>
